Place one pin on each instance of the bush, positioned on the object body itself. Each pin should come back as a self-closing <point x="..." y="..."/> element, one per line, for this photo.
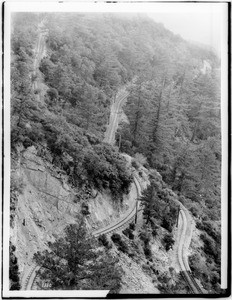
<point x="144" y="236"/>
<point x="85" y="209"/>
<point x="166" y="224"/>
<point x="104" y="241"/>
<point x="52" y="93"/>
<point x="168" y="241"/>
<point x="154" y="229"/>
<point x="210" y="248"/>
<point x="135" y="164"/>
<point x="194" y="211"/>
<point x="126" y="146"/>
<point x="106" y="168"/>
<point x="210" y="230"/>
<point x="13" y="272"/>
<point x="121" y="245"/>
<point x="140" y="158"/>
<point x="147" y="251"/>
<point x="127" y="232"/>
<point x="132" y="226"/>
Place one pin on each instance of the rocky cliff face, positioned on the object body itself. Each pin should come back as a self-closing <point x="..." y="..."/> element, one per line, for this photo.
<point x="47" y="203"/>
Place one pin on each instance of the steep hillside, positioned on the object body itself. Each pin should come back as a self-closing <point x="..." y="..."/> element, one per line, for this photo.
<point x="69" y="72"/>
<point x="45" y="203"/>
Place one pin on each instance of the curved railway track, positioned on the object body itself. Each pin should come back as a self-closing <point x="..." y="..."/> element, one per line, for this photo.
<point x="185" y="237"/>
<point x="114" y="115"/>
<point x="182" y="257"/>
<point x="125" y="221"/>
<point x="32" y="276"/>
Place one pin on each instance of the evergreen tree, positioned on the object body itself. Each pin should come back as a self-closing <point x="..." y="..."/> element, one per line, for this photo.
<point x="75" y="261"/>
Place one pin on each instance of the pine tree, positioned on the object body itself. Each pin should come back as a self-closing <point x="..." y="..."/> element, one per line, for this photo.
<point x="75" y="261"/>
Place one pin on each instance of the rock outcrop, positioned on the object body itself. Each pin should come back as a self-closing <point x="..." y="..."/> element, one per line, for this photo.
<point x="47" y="203"/>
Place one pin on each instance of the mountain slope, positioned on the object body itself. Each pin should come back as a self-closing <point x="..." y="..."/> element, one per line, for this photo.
<point x="66" y="72"/>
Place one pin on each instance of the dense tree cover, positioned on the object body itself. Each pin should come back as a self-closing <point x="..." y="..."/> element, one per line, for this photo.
<point x="156" y="212"/>
<point x="173" y="111"/>
<point x="174" y="115"/>
<point x="208" y="271"/>
<point x="76" y="261"/>
<point x="68" y="124"/>
<point x="158" y="206"/>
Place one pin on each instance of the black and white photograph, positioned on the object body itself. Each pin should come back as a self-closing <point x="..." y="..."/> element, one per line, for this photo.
<point x="115" y="149"/>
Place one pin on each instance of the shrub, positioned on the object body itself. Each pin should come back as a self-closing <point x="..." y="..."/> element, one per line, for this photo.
<point x="168" y="241"/>
<point x="132" y="226"/>
<point x="126" y="146"/>
<point x="104" y="241"/>
<point x="127" y="232"/>
<point x="121" y="245"/>
<point x="210" y="247"/>
<point x="140" y="173"/>
<point x="166" y="224"/>
<point x="144" y="236"/>
<point x="52" y="93"/>
<point x="194" y="211"/>
<point x="147" y="251"/>
<point x="85" y="209"/>
<point x="135" y="164"/>
<point x="209" y="229"/>
<point x="140" y="158"/>
<point x="13" y="272"/>
<point x="106" y="168"/>
<point x="154" y="229"/>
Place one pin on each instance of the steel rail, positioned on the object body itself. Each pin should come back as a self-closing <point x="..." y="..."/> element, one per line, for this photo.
<point x="186" y="274"/>
<point x="114" y="228"/>
<point x="185" y="269"/>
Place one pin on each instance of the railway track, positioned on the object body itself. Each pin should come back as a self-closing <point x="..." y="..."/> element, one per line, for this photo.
<point x="120" y="225"/>
<point x="182" y="259"/>
<point x="114" y="115"/>
<point x="109" y="138"/>
<point x="124" y="222"/>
